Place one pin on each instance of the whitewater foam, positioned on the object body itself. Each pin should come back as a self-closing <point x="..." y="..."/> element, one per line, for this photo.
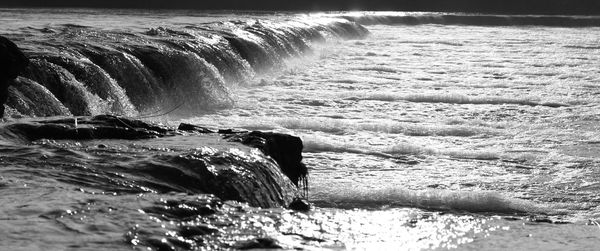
<point x="432" y="199"/>
<point x="453" y="98"/>
<point x="190" y="67"/>
<point x="338" y="126"/>
<point x="316" y="144"/>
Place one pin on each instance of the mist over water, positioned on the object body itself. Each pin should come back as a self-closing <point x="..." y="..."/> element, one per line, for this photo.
<point x="424" y="130"/>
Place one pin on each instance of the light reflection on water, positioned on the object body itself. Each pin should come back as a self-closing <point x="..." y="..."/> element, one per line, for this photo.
<point x="463" y="110"/>
<point x="464" y="116"/>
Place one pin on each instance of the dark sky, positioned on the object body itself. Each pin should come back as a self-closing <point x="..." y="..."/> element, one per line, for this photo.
<point x="488" y="6"/>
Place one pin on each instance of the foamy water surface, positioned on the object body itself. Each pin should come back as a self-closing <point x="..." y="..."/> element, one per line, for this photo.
<point x="416" y="137"/>
<point x="481" y="119"/>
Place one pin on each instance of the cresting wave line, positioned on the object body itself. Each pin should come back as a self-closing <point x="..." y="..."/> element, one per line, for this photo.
<point x="77" y="70"/>
<point x="474" y="19"/>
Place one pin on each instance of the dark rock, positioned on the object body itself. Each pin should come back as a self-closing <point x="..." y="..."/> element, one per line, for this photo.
<point x="87" y="128"/>
<point x="305" y="238"/>
<point x="194" y="128"/>
<point x="299" y="205"/>
<point x="36" y="131"/>
<point x="225" y="174"/>
<point x="283" y="148"/>
<point x="258" y="243"/>
<point x="227" y="131"/>
<point x="229" y="175"/>
<point x="191" y="231"/>
<point x="114" y="121"/>
<point x="12" y="63"/>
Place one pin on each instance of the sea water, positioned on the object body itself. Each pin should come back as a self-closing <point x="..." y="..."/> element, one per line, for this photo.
<point x="474" y="135"/>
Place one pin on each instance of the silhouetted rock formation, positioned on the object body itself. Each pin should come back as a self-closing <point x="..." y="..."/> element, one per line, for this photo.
<point x="285" y="149"/>
<point x="299" y="205"/>
<point x="12" y="62"/>
<point x="240" y="174"/>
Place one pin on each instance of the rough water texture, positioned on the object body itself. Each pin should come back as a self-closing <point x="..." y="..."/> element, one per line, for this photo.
<point x="186" y="70"/>
<point x="419" y="130"/>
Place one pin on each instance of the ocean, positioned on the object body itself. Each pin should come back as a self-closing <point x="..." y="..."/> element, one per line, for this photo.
<point x="421" y="131"/>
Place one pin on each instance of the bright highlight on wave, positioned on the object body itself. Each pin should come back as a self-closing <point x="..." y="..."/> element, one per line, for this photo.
<point x="188" y="69"/>
<point x="470" y="201"/>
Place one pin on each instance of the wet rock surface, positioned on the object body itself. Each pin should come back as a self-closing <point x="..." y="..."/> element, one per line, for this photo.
<point x="123" y="155"/>
<point x="283" y="148"/>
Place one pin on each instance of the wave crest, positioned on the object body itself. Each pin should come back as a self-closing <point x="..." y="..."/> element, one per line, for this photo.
<point x="189" y="69"/>
<point x="470" y="201"/>
<point x="472" y="19"/>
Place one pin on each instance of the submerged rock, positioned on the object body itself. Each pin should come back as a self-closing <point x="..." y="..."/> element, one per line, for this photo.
<point x="247" y="167"/>
<point x="12" y="62"/>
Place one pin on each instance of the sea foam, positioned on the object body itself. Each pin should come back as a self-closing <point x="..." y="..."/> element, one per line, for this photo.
<point x="470" y="201"/>
<point x="458" y="99"/>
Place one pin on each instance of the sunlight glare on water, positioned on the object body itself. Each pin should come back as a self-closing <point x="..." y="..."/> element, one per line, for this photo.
<point x="416" y="137"/>
<point x="465" y="110"/>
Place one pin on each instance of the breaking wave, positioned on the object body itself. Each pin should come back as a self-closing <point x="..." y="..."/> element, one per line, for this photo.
<point x="189" y="69"/>
<point x="432" y="199"/>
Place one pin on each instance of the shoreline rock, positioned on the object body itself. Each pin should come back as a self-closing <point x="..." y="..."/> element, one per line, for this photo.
<point x="266" y="177"/>
<point x="283" y="148"/>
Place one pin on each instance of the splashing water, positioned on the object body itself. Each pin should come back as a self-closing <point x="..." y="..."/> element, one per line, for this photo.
<point x="420" y="130"/>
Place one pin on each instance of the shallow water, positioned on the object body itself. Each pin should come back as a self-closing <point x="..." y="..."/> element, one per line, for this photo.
<point x="417" y="137"/>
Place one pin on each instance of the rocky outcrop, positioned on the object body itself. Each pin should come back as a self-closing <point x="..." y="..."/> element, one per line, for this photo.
<point x="84" y="128"/>
<point x="283" y="148"/>
<point x="12" y="62"/>
<point x="234" y="171"/>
